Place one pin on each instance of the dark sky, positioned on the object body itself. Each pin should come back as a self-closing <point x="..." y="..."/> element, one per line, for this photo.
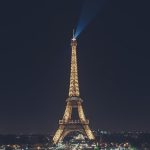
<point x="113" y="59"/>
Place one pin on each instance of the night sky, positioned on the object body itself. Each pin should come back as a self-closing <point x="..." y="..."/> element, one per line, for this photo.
<point x="113" y="60"/>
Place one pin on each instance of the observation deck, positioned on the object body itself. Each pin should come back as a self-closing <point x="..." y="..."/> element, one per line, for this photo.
<point x="62" y="122"/>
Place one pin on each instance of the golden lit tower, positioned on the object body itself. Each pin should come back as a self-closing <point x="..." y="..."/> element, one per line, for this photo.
<point x="74" y="102"/>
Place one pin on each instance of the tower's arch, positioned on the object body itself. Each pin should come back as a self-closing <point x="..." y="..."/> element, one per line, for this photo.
<point x="68" y="132"/>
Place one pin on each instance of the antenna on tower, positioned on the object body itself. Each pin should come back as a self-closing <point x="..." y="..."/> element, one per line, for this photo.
<point x="73" y="34"/>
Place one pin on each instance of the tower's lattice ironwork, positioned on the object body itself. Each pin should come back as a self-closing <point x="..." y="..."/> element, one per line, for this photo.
<point x="68" y="124"/>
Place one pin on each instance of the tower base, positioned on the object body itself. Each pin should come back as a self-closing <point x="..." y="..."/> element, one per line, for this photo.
<point x="68" y="125"/>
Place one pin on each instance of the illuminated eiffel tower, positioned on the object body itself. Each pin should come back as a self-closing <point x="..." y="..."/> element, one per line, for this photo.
<point x="74" y="102"/>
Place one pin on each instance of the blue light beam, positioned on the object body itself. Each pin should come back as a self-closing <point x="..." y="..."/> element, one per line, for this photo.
<point x="89" y="11"/>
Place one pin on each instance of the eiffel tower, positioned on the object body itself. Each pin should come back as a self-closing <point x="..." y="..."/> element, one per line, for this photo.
<point x="74" y="102"/>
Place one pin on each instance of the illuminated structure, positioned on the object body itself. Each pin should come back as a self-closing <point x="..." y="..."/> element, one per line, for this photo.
<point x="68" y="124"/>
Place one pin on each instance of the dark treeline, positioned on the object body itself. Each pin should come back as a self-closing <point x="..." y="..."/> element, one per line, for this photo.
<point x="23" y="139"/>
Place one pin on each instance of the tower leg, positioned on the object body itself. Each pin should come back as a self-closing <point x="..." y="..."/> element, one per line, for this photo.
<point x="58" y="134"/>
<point x="68" y="112"/>
<point x="87" y="129"/>
<point x="66" y="117"/>
<point x="88" y="132"/>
